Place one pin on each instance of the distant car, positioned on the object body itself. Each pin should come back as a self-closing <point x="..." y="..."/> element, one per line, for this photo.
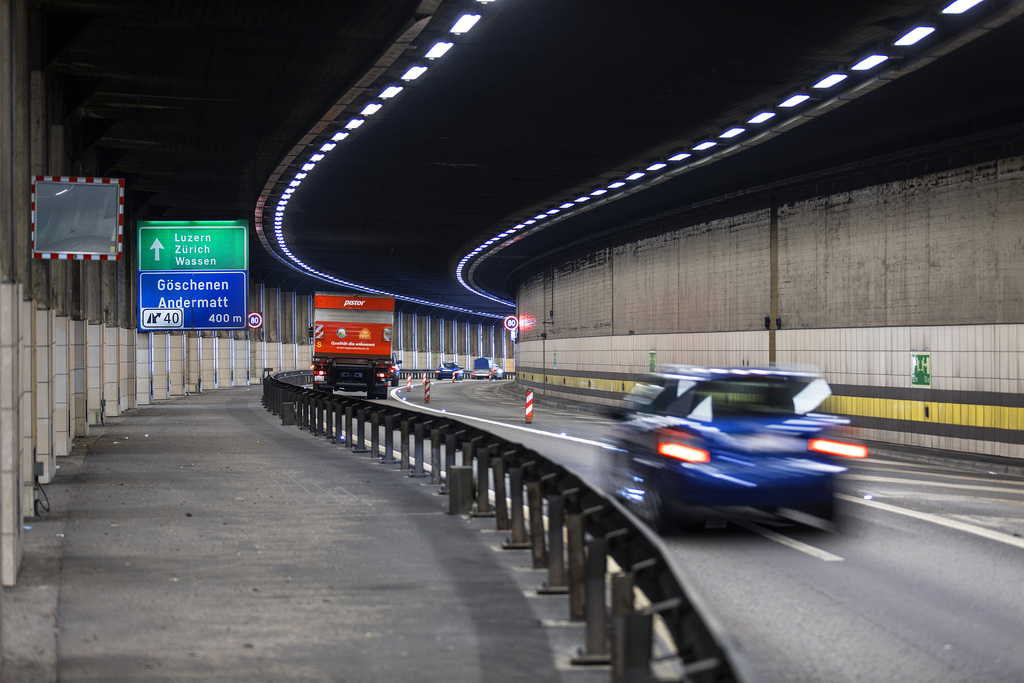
<point x="484" y="368"/>
<point x="695" y="442"/>
<point x="449" y="370"/>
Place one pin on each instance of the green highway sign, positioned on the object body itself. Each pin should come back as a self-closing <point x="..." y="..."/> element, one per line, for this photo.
<point x="193" y="245"/>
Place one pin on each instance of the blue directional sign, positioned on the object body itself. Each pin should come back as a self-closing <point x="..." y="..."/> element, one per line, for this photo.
<point x="201" y="300"/>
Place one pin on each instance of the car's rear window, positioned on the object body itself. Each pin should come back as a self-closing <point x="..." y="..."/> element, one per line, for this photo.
<point x="729" y="396"/>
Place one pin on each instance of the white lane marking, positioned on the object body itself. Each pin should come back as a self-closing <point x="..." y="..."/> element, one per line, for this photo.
<point x="941" y="521"/>
<point x="822" y="555"/>
<point x="530" y="430"/>
<point x="918" y="482"/>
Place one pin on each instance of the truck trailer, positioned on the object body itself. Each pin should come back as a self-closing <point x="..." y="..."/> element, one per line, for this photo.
<point x="352" y="343"/>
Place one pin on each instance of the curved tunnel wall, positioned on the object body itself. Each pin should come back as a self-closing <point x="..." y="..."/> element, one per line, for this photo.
<point x="856" y="283"/>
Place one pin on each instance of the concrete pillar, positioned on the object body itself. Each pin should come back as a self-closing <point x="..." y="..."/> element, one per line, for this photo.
<point x="128" y="340"/>
<point x="44" y="384"/>
<point x="93" y="371"/>
<point x="111" y="371"/>
<point x="60" y="387"/>
<point x="240" y="370"/>
<point x="26" y="405"/>
<point x="161" y="366"/>
<point x="176" y="370"/>
<point x="78" y="372"/>
<point x="144" y="369"/>
<point x="10" y="424"/>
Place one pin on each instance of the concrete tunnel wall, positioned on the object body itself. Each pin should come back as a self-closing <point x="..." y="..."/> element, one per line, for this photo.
<point x="859" y="280"/>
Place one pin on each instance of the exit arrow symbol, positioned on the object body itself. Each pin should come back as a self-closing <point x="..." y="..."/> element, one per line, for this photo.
<point x="156" y="249"/>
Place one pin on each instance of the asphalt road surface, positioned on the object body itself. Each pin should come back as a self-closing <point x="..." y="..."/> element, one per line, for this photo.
<point x="924" y="580"/>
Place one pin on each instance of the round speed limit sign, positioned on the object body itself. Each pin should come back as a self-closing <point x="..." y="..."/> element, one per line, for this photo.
<point x="511" y="323"/>
<point x="255" y="320"/>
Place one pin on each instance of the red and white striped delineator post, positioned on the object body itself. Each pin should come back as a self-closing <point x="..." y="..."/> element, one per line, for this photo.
<point x="426" y="391"/>
<point x="408" y="385"/>
<point x="529" y="406"/>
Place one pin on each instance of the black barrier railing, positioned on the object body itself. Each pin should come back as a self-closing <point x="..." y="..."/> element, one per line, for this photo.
<point x="595" y="528"/>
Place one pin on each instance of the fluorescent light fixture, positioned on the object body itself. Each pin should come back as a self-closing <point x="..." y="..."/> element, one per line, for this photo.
<point x="656" y="166"/>
<point x="438" y="50"/>
<point x="732" y="132"/>
<point x="328" y="146"/>
<point x="567" y="205"/>
<point x="960" y="6"/>
<point x="354" y="123"/>
<point x="762" y="117"/>
<point x="308" y="167"/>
<point x="794" y="100"/>
<point x="295" y="183"/>
<point x="616" y="185"/>
<point x="705" y="145"/>
<point x="869" y="62"/>
<point x="914" y="35"/>
<point x="300" y="176"/>
<point x="316" y="157"/>
<point x="414" y="73"/>
<point x="529" y="222"/>
<point x="339" y="136"/>
<point x="465" y="22"/>
<point x="636" y="176"/>
<point x="680" y="156"/>
<point x="829" y="81"/>
<point x="580" y="200"/>
<point x="371" y="109"/>
<point x="552" y="212"/>
<point x="390" y="92"/>
<point x="540" y="216"/>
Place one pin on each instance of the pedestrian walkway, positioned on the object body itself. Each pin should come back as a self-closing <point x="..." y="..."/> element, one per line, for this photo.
<point x="200" y="540"/>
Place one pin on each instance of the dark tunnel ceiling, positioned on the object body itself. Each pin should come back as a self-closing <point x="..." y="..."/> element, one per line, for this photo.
<point x="196" y="104"/>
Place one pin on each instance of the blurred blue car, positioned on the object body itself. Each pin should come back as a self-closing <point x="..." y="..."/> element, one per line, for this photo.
<point x="449" y="370"/>
<point x="698" y="442"/>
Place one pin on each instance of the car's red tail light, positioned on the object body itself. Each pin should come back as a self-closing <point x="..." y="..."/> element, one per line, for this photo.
<point x="681" y="446"/>
<point x="840" y="448"/>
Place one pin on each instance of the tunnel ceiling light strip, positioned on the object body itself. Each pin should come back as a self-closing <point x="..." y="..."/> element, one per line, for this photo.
<point x="914" y="35"/>
<point x="829" y="81"/>
<point x="463" y="25"/>
<point x="468" y="21"/>
<point x="869" y="62"/>
<point x="961" y="6"/>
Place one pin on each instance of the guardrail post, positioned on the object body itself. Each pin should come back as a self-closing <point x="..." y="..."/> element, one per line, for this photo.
<point x="517" y="541"/>
<point x="329" y="418"/>
<point x="500" y="501"/>
<point x="594" y="589"/>
<point x="418" y="434"/>
<point x="460" y="490"/>
<point x="389" y="439"/>
<point x="374" y="434"/>
<point x="314" y="428"/>
<point x="535" y="502"/>
<point x="556" y="555"/>
<point x="622" y="605"/>
<point x="349" y="441"/>
<point x="450" y="441"/>
<point x="287" y="413"/>
<point x="483" y="488"/>
<point x="574" y="528"/>
<point x="359" y="446"/>
<point x="637" y="632"/>
<point x="404" y="456"/>
<point x="435" y="454"/>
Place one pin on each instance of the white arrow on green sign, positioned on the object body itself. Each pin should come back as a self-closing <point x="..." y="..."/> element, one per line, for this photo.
<point x="193" y="245"/>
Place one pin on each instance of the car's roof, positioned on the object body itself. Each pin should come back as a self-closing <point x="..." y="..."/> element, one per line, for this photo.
<point x="693" y="372"/>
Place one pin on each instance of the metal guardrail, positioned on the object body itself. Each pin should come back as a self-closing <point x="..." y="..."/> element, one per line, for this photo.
<point x="594" y="528"/>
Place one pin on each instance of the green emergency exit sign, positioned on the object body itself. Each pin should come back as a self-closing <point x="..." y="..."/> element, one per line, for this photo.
<point x="921" y="370"/>
<point x="193" y="245"/>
